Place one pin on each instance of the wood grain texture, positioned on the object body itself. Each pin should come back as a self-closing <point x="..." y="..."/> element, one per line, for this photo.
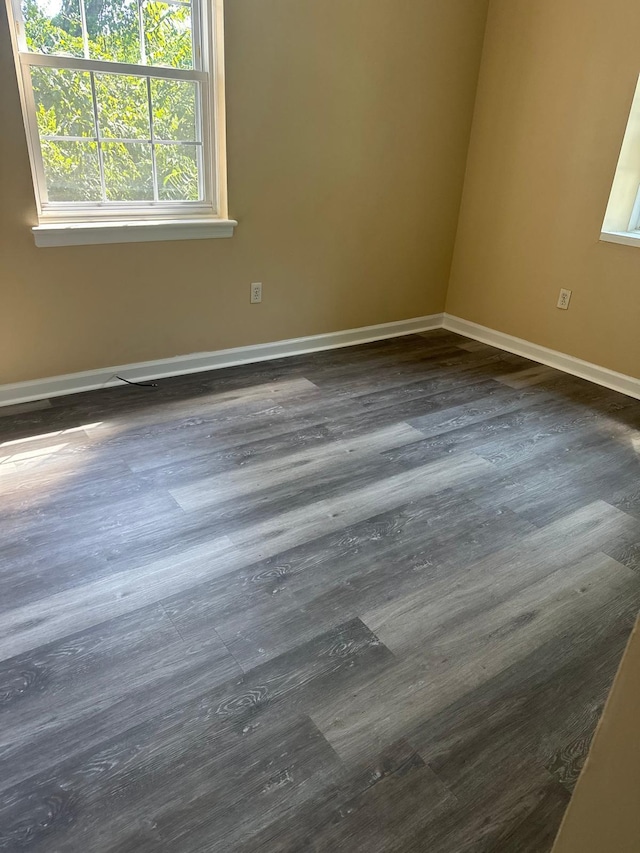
<point x="369" y="599"/>
<point x="73" y="693"/>
<point x="307" y="464"/>
<point x="529" y="376"/>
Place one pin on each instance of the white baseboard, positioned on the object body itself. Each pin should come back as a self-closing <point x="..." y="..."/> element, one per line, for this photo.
<point x="90" y="380"/>
<point x="576" y="366"/>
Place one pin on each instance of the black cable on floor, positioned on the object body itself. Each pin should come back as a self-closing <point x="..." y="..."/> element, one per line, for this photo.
<point x="138" y="384"/>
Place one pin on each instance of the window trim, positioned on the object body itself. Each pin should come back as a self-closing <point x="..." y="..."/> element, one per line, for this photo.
<point x="131" y="231"/>
<point x="634" y="219"/>
<point x="62" y="223"/>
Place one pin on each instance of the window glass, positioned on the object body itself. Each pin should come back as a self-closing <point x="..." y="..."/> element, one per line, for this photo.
<point x="113" y="30"/>
<point x="177" y="172"/>
<point x="174" y="109"/>
<point x="167" y="34"/>
<point x="63" y="100"/>
<point x="72" y="170"/>
<point x="128" y="172"/>
<point x="53" y="26"/>
<point x="123" y="106"/>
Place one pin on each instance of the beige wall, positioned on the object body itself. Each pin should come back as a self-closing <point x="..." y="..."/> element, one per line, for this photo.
<point x="348" y="126"/>
<point x="556" y="84"/>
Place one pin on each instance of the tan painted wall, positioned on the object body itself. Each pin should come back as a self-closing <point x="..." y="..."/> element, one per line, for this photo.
<point x="556" y="84"/>
<point x="603" y="815"/>
<point x="348" y="126"/>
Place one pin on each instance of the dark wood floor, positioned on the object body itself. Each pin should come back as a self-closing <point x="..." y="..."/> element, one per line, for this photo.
<point x="370" y="599"/>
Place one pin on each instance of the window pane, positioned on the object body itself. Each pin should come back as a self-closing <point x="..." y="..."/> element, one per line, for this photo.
<point x="53" y="26"/>
<point x="174" y="109"/>
<point x="128" y="172"/>
<point x="177" y="167"/>
<point x="123" y="106"/>
<point x="167" y="32"/>
<point x="64" y="105"/>
<point x="72" y="170"/>
<point x="114" y="30"/>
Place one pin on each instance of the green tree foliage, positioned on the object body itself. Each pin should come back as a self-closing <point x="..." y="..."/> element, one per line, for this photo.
<point x="64" y="102"/>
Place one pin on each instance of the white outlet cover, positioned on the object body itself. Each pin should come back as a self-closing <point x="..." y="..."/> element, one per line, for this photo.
<point x="256" y="292"/>
<point x="564" y="298"/>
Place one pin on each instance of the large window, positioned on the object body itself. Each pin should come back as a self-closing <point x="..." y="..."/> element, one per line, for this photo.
<point x="122" y="107"/>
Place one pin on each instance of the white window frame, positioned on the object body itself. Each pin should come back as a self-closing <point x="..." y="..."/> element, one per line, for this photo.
<point x="622" y="218"/>
<point x="634" y="221"/>
<point x="73" y="223"/>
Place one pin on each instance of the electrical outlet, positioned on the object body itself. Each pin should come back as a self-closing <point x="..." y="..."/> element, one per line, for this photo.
<point x="256" y="292"/>
<point x="564" y="299"/>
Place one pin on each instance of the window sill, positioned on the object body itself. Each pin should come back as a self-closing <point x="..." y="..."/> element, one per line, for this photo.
<point x="626" y="238"/>
<point x="130" y="231"/>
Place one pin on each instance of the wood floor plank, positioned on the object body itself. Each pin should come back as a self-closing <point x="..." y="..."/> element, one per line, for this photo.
<point x="371" y="808"/>
<point x="480" y="830"/>
<point x="516" y="432"/>
<point x="21" y="408"/>
<point x="63" y="697"/>
<point x="307" y="463"/>
<point x="33" y="533"/>
<point x="473" y="346"/>
<point x="267" y="608"/>
<point x="625" y="552"/>
<point x="338" y="591"/>
<point x="49" y="619"/>
<point x="493" y="741"/>
<point x="419" y="378"/>
<point x="236" y="738"/>
<point x="537" y="830"/>
<point x="124" y="796"/>
<point x="464" y="414"/>
<point x="396" y="700"/>
<point x="505" y="573"/>
<point x="529" y="376"/>
<point x="311" y="521"/>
